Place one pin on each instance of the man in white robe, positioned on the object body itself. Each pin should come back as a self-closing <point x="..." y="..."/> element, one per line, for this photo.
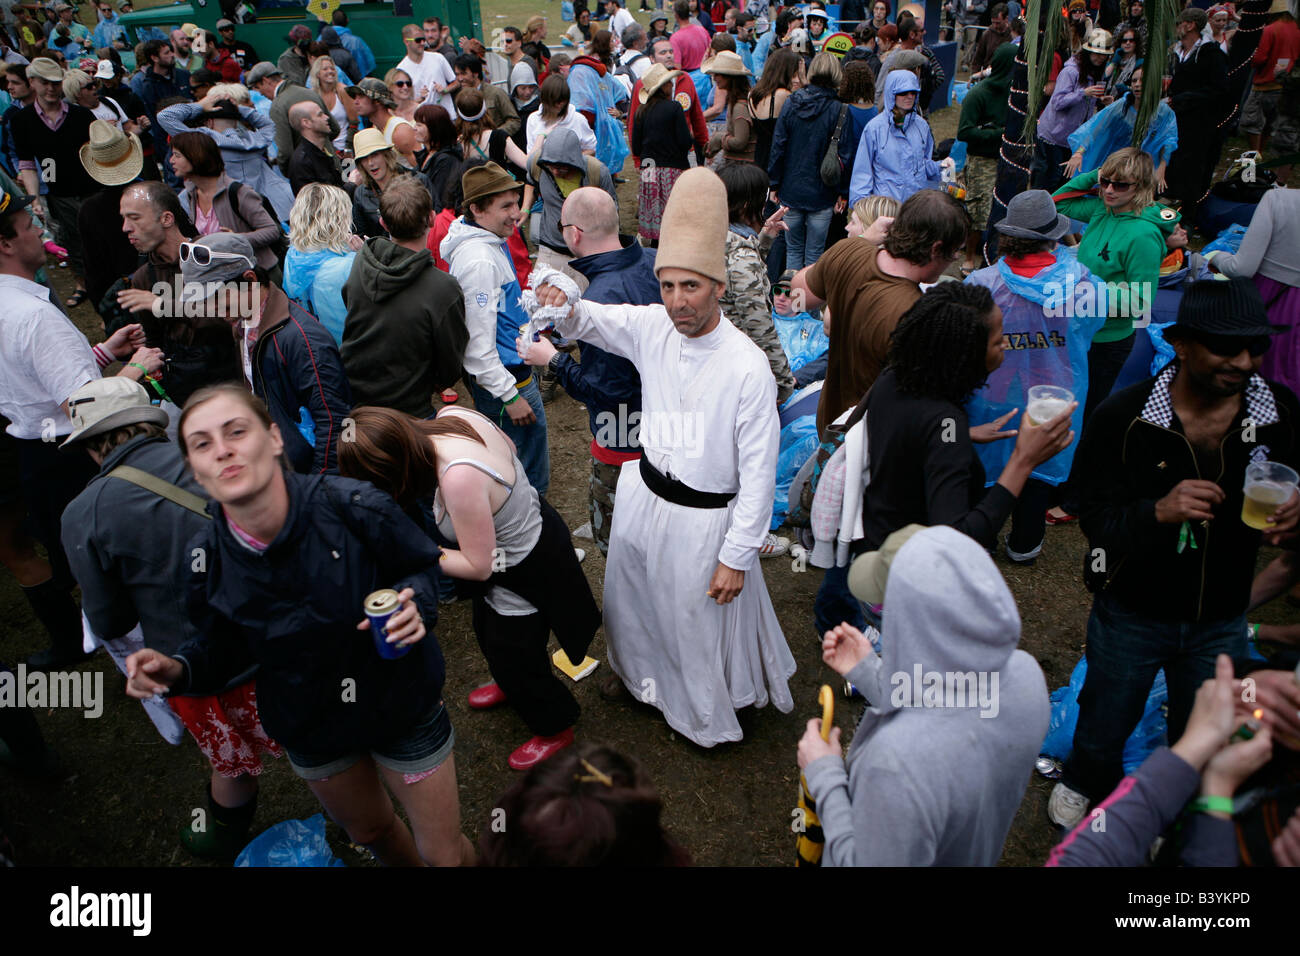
<point x="688" y="620"/>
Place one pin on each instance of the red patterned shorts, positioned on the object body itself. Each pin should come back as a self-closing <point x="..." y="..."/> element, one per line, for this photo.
<point x="227" y="729"/>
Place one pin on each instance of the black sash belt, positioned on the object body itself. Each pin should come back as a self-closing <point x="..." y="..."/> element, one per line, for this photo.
<point x="670" y="489"/>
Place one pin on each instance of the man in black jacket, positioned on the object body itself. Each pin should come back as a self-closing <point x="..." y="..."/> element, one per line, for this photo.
<point x="288" y="358"/>
<point x="1198" y="95"/>
<point x="405" y="334"/>
<point x="1162" y="465"/>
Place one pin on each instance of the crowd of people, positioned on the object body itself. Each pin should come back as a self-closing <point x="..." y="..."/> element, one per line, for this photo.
<point x="295" y="262"/>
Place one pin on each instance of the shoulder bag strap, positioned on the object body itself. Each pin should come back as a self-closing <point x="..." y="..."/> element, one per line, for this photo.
<point x="161" y="488"/>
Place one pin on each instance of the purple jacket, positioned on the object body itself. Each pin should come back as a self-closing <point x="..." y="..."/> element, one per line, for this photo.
<point x="1067" y="109"/>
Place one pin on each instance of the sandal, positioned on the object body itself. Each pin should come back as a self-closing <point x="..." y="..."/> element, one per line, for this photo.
<point x="1062" y="518"/>
<point x="78" y="297"/>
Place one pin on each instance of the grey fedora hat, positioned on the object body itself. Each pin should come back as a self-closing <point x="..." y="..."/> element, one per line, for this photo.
<point x="1032" y="215"/>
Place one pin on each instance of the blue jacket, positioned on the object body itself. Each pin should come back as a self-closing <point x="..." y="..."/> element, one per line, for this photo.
<point x="297" y="371"/>
<point x="803" y="131"/>
<point x="892" y="161"/>
<point x="359" y="49"/>
<point x="294" y="610"/>
<point x="315" y="280"/>
<point x="762" y="49"/>
<point x="604" y="382"/>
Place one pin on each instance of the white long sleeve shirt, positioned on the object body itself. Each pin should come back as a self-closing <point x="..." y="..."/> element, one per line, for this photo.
<point x="709" y="415"/>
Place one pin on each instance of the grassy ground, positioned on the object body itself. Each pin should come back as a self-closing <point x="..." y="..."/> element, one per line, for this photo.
<point x="124" y="792"/>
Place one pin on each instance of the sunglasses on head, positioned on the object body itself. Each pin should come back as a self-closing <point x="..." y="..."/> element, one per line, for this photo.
<point x="202" y="255"/>
<point x="1113" y="184"/>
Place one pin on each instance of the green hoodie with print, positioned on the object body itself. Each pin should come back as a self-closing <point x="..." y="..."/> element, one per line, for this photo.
<point x="1122" y="247"/>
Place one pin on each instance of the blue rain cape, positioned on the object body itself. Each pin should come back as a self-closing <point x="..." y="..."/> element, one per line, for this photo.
<point x="803" y="338"/>
<point x="596" y="94"/>
<point x="1112" y="128"/>
<point x="1048" y="321"/>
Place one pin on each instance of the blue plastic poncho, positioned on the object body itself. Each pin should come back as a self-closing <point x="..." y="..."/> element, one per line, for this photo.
<point x="1112" y="128"/>
<point x="803" y="338"/>
<point x="592" y="93"/>
<point x="1048" y="321"/>
<point x="315" y="280"/>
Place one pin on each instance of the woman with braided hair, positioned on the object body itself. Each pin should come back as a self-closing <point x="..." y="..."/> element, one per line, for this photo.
<point x="940" y="355"/>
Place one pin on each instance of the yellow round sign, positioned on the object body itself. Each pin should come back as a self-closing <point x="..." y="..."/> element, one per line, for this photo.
<point x="838" y="43"/>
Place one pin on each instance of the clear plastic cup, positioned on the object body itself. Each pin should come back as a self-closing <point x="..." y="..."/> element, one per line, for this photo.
<point x="1045" y="402"/>
<point x="1268" y="486"/>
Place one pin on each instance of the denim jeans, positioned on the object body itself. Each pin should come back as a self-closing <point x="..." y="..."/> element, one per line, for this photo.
<point x="530" y="440"/>
<point x="1125" y="650"/>
<point x="806" y="238"/>
<point x="835" y="604"/>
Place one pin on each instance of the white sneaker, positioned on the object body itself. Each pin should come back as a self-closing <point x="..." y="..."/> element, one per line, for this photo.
<point x="1066" y="807"/>
<point x="774" y="547"/>
<point x="582" y="555"/>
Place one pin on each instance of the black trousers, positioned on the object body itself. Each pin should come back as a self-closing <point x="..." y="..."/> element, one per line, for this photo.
<point x="515" y="650"/>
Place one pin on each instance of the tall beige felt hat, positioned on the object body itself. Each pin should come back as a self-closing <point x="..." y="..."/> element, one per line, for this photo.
<point x="654" y="78"/>
<point x="726" y="63"/>
<point x="693" y="233"/>
<point x="112" y="157"/>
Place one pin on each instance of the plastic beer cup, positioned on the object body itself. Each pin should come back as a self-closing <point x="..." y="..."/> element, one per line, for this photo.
<point x="1268" y="486"/>
<point x="1045" y="402"/>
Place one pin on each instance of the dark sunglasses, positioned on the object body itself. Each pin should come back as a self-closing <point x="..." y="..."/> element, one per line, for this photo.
<point x="1129" y="40"/>
<point x="401" y="82"/>
<point x="1103" y="182"/>
<point x="1228" y="346"/>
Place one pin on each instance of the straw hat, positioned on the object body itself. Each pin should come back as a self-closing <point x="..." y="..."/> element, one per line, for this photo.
<point x="693" y="234"/>
<point x="369" y="141"/>
<point x="111" y="157"/>
<point x="1279" y="6"/>
<point x="654" y="78"/>
<point x="726" y="63"/>
<point x="1100" y="41"/>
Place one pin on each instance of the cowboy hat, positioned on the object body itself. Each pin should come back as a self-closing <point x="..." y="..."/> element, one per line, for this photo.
<point x="111" y="157"/>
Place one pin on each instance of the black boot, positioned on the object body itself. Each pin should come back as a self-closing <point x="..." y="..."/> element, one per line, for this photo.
<point x="54" y="607"/>
<point x="225" y="834"/>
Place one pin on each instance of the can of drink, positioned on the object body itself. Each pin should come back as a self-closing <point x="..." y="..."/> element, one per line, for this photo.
<point x="379" y="607"/>
<point x="1049" y="768"/>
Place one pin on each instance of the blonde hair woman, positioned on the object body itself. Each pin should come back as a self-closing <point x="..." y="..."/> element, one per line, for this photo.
<point x="321" y="250"/>
<point x="82" y="89"/>
<point x="403" y="89"/>
<point x="324" y="79"/>
<point x="867" y="210"/>
<point x="378" y="164"/>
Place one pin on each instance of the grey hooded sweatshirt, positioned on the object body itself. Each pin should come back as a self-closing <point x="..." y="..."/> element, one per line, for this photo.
<point x="562" y="146"/>
<point x="935" y="774"/>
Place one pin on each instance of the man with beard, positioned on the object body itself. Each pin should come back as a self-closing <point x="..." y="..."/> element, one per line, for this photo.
<point x="1161" y="466"/>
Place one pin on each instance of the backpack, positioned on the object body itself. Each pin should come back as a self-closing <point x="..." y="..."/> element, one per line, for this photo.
<point x="800" y="513"/>
<point x="625" y="69"/>
<point x="281" y="245"/>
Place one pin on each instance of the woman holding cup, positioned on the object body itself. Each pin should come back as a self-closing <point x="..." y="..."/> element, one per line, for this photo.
<point x="280" y="580"/>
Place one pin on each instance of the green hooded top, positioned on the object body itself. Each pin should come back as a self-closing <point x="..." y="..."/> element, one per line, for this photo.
<point x="1118" y="247"/>
<point x="984" y="111"/>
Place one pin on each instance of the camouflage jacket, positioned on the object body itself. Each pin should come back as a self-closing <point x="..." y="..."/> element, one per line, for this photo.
<point x="746" y="304"/>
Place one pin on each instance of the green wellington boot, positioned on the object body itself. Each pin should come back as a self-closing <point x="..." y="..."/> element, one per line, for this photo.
<point x="223" y="834"/>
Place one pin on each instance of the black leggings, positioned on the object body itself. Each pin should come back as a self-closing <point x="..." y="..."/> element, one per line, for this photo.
<point x="515" y="649"/>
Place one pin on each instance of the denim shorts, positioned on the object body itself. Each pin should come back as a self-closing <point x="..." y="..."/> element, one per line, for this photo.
<point x="418" y="750"/>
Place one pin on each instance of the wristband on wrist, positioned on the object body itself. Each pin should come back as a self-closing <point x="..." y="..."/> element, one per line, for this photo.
<point x="511" y="401"/>
<point x="1212" y="805"/>
<point x="1252" y="633"/>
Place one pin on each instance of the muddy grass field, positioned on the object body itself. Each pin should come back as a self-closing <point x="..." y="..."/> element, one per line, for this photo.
<point x="123" y="792"/>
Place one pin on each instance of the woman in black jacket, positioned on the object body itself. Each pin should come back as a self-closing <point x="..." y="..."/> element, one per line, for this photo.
<point x="280" y="578"/>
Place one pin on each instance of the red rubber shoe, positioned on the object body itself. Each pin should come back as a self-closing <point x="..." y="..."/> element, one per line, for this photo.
<point x="487" y="696"/>
<point x="539" y="749"/>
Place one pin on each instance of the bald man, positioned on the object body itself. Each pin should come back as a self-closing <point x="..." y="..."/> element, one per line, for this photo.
<point x="619" y="271"/>
<point x="314" y="160"/>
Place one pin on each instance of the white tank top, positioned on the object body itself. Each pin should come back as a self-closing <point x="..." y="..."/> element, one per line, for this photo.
<point x="341" y="117"/>
<point x="393" y="123"/>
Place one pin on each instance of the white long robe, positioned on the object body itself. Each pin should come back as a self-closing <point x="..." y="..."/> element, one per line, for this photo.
<point x="709" y="419"/>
